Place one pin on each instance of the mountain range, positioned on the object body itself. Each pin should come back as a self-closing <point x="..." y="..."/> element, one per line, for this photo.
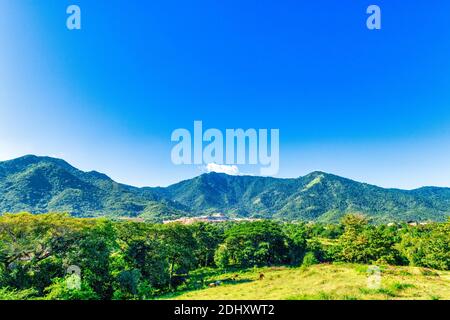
<point x="43" y="184"/>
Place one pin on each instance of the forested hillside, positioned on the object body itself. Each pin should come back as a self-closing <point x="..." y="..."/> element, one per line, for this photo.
<point x="42" y="184"/>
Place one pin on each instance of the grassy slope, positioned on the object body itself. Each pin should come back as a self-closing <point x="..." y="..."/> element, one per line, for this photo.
<point x="325" y="282"/>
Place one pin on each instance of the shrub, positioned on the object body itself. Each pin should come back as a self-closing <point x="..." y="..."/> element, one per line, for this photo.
<point x="59" y="290"/>
<point x="309" y="259"/>
<point x="12" y="294"/>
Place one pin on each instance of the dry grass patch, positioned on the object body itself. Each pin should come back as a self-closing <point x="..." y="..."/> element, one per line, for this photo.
<point x="328" y="282"/>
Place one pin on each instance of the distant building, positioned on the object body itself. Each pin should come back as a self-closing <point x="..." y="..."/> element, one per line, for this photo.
<point x="391" y="224"/>
<point x="131" y="219"/>
<point x="191" y="220"/>
<point x="215" y="218"/>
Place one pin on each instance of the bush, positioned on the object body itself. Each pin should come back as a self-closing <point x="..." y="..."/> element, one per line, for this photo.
<point x="309" y="259"/>
<point x="60" y="290"/>
<point x="12" y="294"/>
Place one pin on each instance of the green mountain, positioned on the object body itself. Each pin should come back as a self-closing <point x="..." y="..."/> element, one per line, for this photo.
<point x="42" y="184"/>
<point x="318" y="196"/>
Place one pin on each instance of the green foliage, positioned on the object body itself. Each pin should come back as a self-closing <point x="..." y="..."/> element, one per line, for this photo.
<point x="309" y="259"/>
<point x="135" y="260"/>
<point x="363" y="243"/>
<point x="59" y="290"/>
<point x="296" y="240"/>
<point x="208" y="237"/>
<point x="427" y="246"/>
<point x="329" y="231"/>
<point x="13" y="294"/>
<point x="222" y="257"/>
<point x="253" y="244"/>
<point x="141" y="249"/>
<point x="323" y="252"/>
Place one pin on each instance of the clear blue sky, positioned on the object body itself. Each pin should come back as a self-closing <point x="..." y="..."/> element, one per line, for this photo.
<point x="369" y="105"/>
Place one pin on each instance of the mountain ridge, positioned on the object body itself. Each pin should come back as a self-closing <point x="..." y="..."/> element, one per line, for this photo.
<point x="41" y="184"/>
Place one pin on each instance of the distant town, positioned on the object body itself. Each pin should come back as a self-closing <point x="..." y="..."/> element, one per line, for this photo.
<point x="215" y="218"/>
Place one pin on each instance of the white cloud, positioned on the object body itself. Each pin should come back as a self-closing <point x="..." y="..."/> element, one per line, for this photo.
<point x="221" y="168"/>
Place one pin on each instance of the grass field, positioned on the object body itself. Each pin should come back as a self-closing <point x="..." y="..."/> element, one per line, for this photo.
<point x="323" y="282"/>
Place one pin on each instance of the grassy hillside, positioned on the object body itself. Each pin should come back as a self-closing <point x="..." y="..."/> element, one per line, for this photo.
<point x="325" y="282"/>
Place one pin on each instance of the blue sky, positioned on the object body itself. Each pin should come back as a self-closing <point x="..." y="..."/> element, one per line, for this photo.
<point x="369" y="105"/>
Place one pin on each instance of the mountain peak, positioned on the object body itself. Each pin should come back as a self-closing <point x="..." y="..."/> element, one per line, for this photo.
<point x="317" y="173"/>
<point x="31" y="158"/>
<point x="53" y="165"/>
<point x="328" y="176"/>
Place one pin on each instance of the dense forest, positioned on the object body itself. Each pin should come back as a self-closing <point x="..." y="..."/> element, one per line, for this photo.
<point x="136" y="260"/>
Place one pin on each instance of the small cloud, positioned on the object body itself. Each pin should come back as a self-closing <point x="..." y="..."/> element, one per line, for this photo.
<point x="222" y="168"/>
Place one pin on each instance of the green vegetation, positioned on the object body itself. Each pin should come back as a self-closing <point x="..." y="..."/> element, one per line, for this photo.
<point x="135" y="260"/>
<point x="253" y="244"/>
<point x="322" y="282"/>
<point x="42" y="184"/>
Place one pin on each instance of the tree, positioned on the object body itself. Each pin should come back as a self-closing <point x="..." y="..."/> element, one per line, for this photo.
<point x="208" y="237"/>
<point x="297" y="241"/>
<point x="39" y="248"/>
<point x="247" y="244"/>
<point x="364" y="243"/>
<point x="427" y="246"/>
<point x="140" y="252"/>
<point x="179" y="245"/>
